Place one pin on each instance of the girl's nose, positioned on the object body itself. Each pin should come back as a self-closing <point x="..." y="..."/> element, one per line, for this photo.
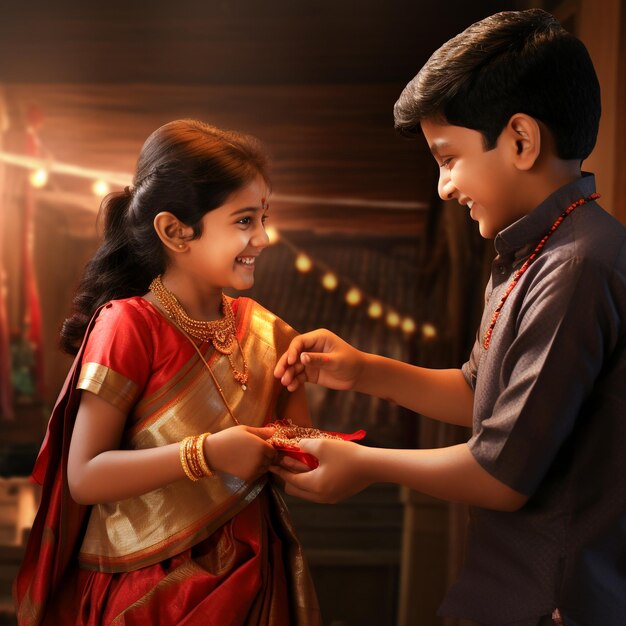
<point x="260" y="239"/>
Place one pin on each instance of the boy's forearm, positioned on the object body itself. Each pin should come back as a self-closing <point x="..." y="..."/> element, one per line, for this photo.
<point x="443" y="395"/>
<point x="449" y="473"/>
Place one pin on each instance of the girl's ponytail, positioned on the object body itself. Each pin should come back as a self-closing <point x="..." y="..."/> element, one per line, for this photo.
<point x="113" y="272"/>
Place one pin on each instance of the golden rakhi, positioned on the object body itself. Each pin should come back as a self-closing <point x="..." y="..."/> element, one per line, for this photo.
<point x="288" y="435"/>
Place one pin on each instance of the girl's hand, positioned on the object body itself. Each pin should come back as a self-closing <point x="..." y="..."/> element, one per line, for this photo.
<point x="241" y="451"/>
<point x="342" y="471"/>
<point x="319" y="357"/>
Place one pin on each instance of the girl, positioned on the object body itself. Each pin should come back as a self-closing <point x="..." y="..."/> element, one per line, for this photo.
<point x="156" y="507"/>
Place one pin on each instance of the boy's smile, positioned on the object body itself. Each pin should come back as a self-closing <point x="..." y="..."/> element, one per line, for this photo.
<point x="486" y="181"/>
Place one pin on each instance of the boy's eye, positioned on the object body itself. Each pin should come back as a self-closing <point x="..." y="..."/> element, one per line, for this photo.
<point x="446" y="162"/>
<point x="264" y="218"/>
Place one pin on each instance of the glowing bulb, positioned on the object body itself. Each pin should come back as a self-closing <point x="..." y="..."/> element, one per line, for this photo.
<point x="329" y="280"/>
<point x="375" y="310"/>
<point x="408" y="325"/>
<point x="39" y="178"/>
<point x="100" y="188"/>
<point x="393" y="319"/>
<point x="353" y="297"/>
<point x="272" y="234"/>
<point x="303" y="263"/>
<point x="429" y="331"/>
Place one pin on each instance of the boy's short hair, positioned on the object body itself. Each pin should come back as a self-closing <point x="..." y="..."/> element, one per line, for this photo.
<point x="511" y="62"/>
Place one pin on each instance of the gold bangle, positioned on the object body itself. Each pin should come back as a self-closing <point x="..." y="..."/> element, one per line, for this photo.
<point x="204" y="466"/>
<point x="182" y="452"/>
<point x="191" y="457"/>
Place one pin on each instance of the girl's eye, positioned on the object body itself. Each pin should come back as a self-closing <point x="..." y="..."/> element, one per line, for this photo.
<point x="245" y="221"/>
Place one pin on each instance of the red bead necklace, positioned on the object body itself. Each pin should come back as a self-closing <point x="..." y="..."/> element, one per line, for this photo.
<point x="529" y="260"/>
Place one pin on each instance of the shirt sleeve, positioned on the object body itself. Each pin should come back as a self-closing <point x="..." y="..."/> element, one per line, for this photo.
<point x="116" y="363"/>
<point x="566" y="328"/>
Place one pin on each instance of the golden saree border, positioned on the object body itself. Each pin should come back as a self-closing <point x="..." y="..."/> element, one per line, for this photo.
<point x="133" y="533"/>
<point x="110" y="385"/>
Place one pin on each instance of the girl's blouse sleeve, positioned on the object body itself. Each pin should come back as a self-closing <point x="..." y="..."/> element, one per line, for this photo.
<point x="117" y="359"/>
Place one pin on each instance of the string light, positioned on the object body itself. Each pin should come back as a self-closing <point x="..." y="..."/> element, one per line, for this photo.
<point x="392" y="319"/>
<point x="100" y="188"/>
<point x="353" y="297"/>
<point x="101" y="181"/>
<point x="408" y="326"/>
<point x="375" y="310"/>
<point x="429" y="332"/>
<point x="330" y="282"/>
<point x="39" y="178"/>
<point x="303" y="263"/>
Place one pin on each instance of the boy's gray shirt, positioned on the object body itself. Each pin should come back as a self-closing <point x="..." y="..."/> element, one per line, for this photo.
<point x="550" y="422"/>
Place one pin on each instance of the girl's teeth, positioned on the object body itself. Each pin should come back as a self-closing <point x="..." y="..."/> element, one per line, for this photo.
<point x="246" y="260"/>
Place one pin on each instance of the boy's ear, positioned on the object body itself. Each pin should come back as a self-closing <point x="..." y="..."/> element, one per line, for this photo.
<point x="171" y="231"/>
<point x="524" y="136"/>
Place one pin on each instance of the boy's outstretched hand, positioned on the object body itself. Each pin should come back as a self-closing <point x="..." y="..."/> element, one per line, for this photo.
<point x="319" y="357"/>
<point x="340" y="474"/>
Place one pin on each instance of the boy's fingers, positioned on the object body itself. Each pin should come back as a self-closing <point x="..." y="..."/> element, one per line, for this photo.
<point x="286" y="361"/>
<point x="294" y="485"/>
<point x="294" y="465"/>
<point x="301" y="493"/>
<point x="293" y="385"/>
<point x="280" y="368"/>
<point x="291" y="373"/>
<point x="316" y="359"/>
<point x="295" y="348"/>
<point x="313" y="340"/>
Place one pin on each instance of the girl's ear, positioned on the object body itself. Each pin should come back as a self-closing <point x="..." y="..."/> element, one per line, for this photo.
<point x="523" y="134"/>
<point x="172" y="232"/>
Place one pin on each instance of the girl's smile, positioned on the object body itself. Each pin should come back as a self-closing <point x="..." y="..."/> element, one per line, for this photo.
<point x="233" y="236"/>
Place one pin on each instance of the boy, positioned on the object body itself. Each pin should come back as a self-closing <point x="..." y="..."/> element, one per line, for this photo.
<point x="510" y="108"/>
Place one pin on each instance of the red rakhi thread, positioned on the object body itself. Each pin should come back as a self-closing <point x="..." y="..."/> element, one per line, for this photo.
<point x="529" y="260"/>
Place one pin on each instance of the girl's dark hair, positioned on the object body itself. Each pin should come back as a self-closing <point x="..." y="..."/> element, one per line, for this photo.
<point x="185" y="167"/>
<point x="511" y="62"/>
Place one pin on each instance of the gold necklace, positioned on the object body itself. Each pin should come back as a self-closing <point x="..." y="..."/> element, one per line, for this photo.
<point x="217" y="385"/>
<point x="221" y="333"/>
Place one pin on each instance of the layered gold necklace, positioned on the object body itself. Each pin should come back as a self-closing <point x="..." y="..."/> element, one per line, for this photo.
<point x="220" y="333"/>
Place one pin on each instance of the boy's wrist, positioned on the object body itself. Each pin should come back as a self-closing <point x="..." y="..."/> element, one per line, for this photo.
<point x="367" y="379"/>
<point x="362" y="372"/>
<point x="364" y="466"/>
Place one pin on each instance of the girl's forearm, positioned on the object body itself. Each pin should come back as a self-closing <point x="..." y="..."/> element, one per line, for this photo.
<point x="443" y="395"/>
<point x="119" y="474"/>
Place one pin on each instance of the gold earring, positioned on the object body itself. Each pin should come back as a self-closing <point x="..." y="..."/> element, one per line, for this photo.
<point x="181" y="245"/>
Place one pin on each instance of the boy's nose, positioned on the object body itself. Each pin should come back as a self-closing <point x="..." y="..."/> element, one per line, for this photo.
<point x="445" y="188"/>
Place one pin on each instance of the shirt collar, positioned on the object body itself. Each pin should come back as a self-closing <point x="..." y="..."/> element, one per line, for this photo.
<point x="529" y="229"/>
